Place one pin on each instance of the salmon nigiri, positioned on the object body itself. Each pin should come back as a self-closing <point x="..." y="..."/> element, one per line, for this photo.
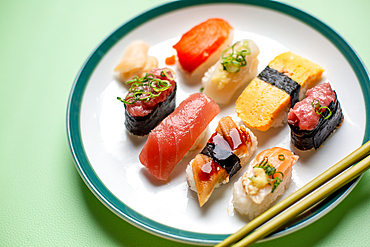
<point x="267" y="178"/>
<point x="177" y="134"/>
<point x="201" y="47"/>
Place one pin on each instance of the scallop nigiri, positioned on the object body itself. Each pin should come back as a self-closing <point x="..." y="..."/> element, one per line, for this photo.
<point x="200" y="47"/>
<point x="267" y="178"/>
<point x="225" y="153"/>
<point x="177" y="134"/>
<point x="235" y="69"/>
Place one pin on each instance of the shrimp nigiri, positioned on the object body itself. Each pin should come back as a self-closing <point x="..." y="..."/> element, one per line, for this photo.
<point x="267" y="178"/>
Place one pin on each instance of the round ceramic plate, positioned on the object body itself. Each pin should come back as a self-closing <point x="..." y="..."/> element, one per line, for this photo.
<point x="106" y="155"/>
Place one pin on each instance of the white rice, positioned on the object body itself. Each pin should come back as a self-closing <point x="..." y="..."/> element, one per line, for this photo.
<point x="242" y="202"/>
<point x="282" y="119"/>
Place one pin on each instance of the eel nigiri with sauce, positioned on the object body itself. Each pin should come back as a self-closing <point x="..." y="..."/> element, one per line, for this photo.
<point x="201" y="47"/>
<point x="225" y="153"/>
<point x="266" y="179"/>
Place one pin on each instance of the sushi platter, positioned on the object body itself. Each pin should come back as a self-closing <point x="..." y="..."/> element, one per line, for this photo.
<point x="145" y="166"/>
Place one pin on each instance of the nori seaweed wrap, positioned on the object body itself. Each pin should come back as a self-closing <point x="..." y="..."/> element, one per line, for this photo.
<point x="150" y="99"/>
<point x="141" y="126"/>
<point x="281" y="81"/>
<point x="225" y="158"/>
<point x="308" y="139"/>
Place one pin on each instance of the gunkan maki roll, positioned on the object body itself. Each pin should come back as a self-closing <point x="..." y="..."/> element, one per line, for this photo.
<point x="150" y="99"/>
<point x="313" y="119"/>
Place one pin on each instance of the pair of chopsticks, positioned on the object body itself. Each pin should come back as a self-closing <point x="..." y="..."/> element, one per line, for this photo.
<point x="334" y="178"/>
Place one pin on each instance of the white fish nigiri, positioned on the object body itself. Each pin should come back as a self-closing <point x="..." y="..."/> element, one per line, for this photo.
<point x="267" y="177"/>
<point x="235" y="69"/>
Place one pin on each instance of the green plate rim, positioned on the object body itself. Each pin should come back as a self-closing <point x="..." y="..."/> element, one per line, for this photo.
<point x="112" y="202"/>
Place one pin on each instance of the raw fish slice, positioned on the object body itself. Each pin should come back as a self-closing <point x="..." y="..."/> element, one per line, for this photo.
<point x="315" y="118"/>
<point x="200" y="47"/>
<point x="176" y="134"/>
<point x="305" y="114"/>
<point x="251" y="194"/>
<point x="226" y="152"/>
<point x="143" y="112"/>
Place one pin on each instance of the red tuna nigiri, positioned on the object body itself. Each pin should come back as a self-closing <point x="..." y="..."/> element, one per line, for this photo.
<point x="175" y="135"/>
<point x="203" y="44"/>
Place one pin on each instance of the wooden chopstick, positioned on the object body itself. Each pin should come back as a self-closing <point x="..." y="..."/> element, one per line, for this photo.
<point x="336" y="182"/>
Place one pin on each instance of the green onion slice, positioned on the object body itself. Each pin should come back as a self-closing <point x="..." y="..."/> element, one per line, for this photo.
<point x="319" y="110"/>
<point x="281" y="157"/>
<point x="271" y="171"/>
<point x="147" y="87"/>
<point x="233" y="58"/>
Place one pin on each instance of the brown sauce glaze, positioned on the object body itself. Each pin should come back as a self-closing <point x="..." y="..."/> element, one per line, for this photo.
<point x="237" y="139"/>
<point x="208" y="170"/>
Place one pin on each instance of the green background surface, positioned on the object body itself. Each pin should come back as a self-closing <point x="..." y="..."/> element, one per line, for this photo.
<point x="43" y="200"/>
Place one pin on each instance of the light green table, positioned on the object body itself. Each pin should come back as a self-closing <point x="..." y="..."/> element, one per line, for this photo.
<point x="43" y="200"/>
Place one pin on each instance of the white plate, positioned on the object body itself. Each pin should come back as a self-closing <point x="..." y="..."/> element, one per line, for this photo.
<point x="106" y="156"/>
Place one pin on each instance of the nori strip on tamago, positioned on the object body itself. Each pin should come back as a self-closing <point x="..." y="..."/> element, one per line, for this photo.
<point x="226" y="159"/>
<point x="282" y="82"/>
<point x="307" y="139"/>
<point x="143" y="125"/>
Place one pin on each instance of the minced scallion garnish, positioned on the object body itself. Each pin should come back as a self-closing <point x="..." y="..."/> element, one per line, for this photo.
<point x="319" y="109"/>
<point x="270" y="171"/>
<point x="232" y="59"/>
<point x="165" y="74"/>
<point x="146" y="88"/>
